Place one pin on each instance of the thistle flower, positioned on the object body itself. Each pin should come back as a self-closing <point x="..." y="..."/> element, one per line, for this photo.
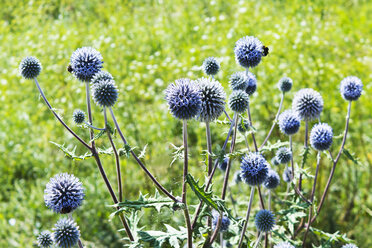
<point x="225" y="223"/>
<point x="222" y="166"/>
<point x="349" y="246"/>
<point x="321" y="136"/>
<point x="251" y="84"/>
<point x="248" y="51"/>
<point x="238" y="81"/>
<point x="264" y="220"/>
<point x="64" y="193"/>
<point x="308" y="104"/>
<point x="78" y="116"/>
<point x="101" y="76"/>
<point x="237" y="177"/>
<point x="44" y="239"/>
<point x="351" y="88"/>
<point x="274" y="161"/>
<point x="285" y="84"/>
<point x="212" y="98"/>
<point x="238" y="101"/>
<point x="254" y="169"/>
<point x="211" y="66"/>
<point x="243" y="126"/>
<point x="85" y="63"/>
<point x="105" y="93"/>
<point x="284" y="245"/>
<point x="289" y="122"/>
<point x="283" y="155"/>
<point x="30" y="67"/>
<point x="66" y="233"/>
<point x="272" y="181"/>
<point x="184" y="99"/>
<point x="287" y="175"/>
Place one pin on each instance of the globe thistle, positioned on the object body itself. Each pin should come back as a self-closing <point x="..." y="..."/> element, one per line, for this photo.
<point x="289" y="122"/>
<point x="211" y="66"/>
<point x="101" y="76"/>
<point x="66" y="233"/>
<point x="272" y="181"/>
<point x="274" y="161"/>
<point x="44" y="239"/>
<point x="243" y="126"/>
<point x="222" y="166"/>
<point x="105" y="93"/>
<point x="225" y="222"/>
<point x="212" y="98"/>
<point x="321" y="136"/>
<point x="238" y="101"/>
<point x="251" y="84"/>
<point x="237" y="177"/>
<point x="283" y="155"/>
<point x="308" y="104"/>
<point x="284" y="245"/>
<point x="287" y="175"/>
<point x="351" y="88"/>
<point x="254" y="169"/>
<point x="264" y="220"/>
<point x="30" y="67"/>
<point x="78" y="116"/>
<point x="85" y="62"/>
<point x="64" y="193"/>
<point x="238" y="81"/>
<point x="349" y="246"/>
<point x="285" y="84"/>
<point x="248" y="51"/>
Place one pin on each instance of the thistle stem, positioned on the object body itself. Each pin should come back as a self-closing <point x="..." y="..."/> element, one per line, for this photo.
<point x="258" y="240"/>
<point x="227" y="115"/>
<point x="80" y="244"/>
<point x="209" y="148"/>
<point x="184" y="184"/>
<point x="246" y="217"/>
<point x="221" y="239"/>
<point x="96" y="128"/>
<point x="306" y="146"/>
<point x="269" y="200"/>
<point x="250" y="124"/>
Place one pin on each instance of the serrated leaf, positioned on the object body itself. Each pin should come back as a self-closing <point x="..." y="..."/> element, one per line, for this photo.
<point x="204" y="196"/>
<point x="277" y="145"/>
<point x="332" y="237"/>
<point x="305" y="153"/>
<point x="157" y="238"/>
<point x="143" y="152"/>
<point x="177" y="153"/>
<point x="71" y="153"/>
<point x="350" y="156"/>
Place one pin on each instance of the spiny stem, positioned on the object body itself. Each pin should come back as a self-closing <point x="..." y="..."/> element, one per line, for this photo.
<point x="246" y="217"/>
<point x="96" y="128"/>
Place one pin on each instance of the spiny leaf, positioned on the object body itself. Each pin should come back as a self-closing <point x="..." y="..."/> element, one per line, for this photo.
<point x="351" y="157"/>
<point x="177" y="154"/>
<point x="278" y="144"/>
<point x="157" y="238"/>
<point x="71" y="153"/>
<point x="126" y="150"/>
<point x="305" y="153"/>
<point x="143" y="152"/>
<point x="206" y="197"/>
<point x="331" y="236"/>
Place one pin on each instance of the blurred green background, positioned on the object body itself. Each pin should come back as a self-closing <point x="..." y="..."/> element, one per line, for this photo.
<point x="145" y="46"/>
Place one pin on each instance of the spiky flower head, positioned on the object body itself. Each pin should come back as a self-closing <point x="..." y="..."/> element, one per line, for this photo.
<point x="45" y="239"/>
<point x="272" y="181"/>
<point x="85" y="63"/>
<point x="274" y="161"/>
<point x="101" y="76"/>
<point x="63" y="193"/>
<point x="308" y="104"/>
<point x="66" y="233"/>
<point x="237" y="177"/>
<point x="285" y="84"/>
<point x="264" y="220"/>
<point x="30" y="67"/>
<point x="211" y="66"/>
<point x="78" y="116"/>
<point x="351" y="88"/>
<point x="238" y="81"/>
<point x="287" y="175"/>
<point x="238" y="101"/>
<point x="243" y="126"/>
<point x="321" y="136"/>
<point x="225" y="223"/>
<point x="222" y="166"/>
<point x="251" y="84"/>
<point x="254" y="169"/>
<point x="289" y="122"/>
<point x="105" y="93"/>
<point x="349" y="246"/>
<point x="248" y="51"/>
<point x="283" y="245"/>
<point x="184" y="99"/>
<point x="212" y="98"/>
<point x="283" y="155"/>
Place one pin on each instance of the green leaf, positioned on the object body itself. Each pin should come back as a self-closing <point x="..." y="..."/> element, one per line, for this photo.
<point x="206" y="197"/>
<point x="331" y="236"/>
<point x="143" y="152"/>
<point x="278" y="144"/>
<point x="71" y="153"/>
<point x="177" y="153"/>
<point x="305" y="153"/>
<point x="157" y="238"/>
<point x="351" y="157"/>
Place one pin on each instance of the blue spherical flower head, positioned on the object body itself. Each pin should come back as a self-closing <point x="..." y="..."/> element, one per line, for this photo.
<point x="251" y="84"/>
<point x="64" y="193"/>
<point x="349" y="246"/>
<point x="238" y="81"/>
<point x="45" y="239"/>
<point x="308" y="104"/>
<point x="30" y="67"/>
<point x="238" y="101"/>
<point x="225" y="223"/>
<point x="321" y="136"/>
<point x="289" y="122"/>
<point x="101" y="76"/>
<point x="283" y="155"/>
<point x="184" y="99"/>
<point x="66" y="233"/>
<point x="248" y="51"/>
<point x="222" y="166"/>
<point x="212" y="98"/>
<point x="284" y="245"/>
<point x="105" y="93"/>
<point x="85" y="63"/>
<point x="285" y="84"/>
<point x="351" y="88"/>
<point x="264" y="220"/>
<point x="287" y="175"/>
<point x="211" y="66"/>
<point x="254" y="169"/>
<point x="274" y="161"/>
<point x="78" y="116"/>
<point x="243" y="126"/>
<point x="272" y="181"/>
